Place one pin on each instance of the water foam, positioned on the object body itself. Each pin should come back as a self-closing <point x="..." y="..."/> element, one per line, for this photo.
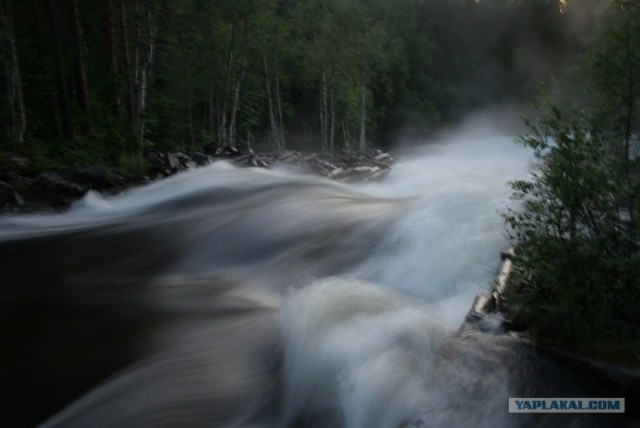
<point x="358" y="350"/>
<point x="355" y="348"/>
<point x="449" y="243"/>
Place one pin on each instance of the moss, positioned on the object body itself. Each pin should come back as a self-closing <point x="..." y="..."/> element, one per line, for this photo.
<point x="134" y="164"/>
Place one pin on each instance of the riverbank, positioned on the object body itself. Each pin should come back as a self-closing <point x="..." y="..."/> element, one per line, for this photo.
<point x="26" y="188"/>
<point x="497" y="305"/>
<point x="610" y="366"/>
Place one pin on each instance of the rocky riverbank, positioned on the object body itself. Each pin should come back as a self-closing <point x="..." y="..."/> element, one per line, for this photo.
<point x="25" y="189"/>
<point x="491" y="314"/>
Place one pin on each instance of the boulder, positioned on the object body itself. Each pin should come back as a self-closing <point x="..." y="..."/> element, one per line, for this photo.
<point x="95" y="177"/>
<point x="69" y="173"/>
<point x="202" y="159"/>
<point x="12" y="165"/>
<point x="210" y="148"/>
<point x="8" y="195"/>
<point x="51" y="189"/>
<point x="227" y="152"/>
<point x="179" y="161"/>
<point x="99" y="177"/>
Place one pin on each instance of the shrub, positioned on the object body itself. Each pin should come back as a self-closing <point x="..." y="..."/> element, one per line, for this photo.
<point x="576" y="230"/>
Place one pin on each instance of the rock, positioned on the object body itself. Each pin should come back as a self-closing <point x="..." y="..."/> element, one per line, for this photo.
<point x="344" y="166"/>
<point x="382" y="156"/>
<point x="51" y="189"/>
<point x="360" y="173"/>
<point x="14" y="164"/>
<point x="256" y="161"/>
<point x="378" y="175"/>
<point x="18" y="199"/>
<point x="179" y="161"/>
<point x="52" y="180"/>
<point x="19" y="161"/>
<point x="202" y="159"/>
<point x="165" y="164"/>
<point x="69" y="173"/>
<point x="174" y="161"/>
<point x="244" y="160"/>
<point x="158" y="164"/>
<point x="101" y="178"/>
<point x="20" y="192"/>
<point x="7" y="194"/>
<point x="228" y="152"/>
<point x="155" y="159"/>
<point x="210" y="148"/>
<point x="611" y="380"/>
<point x="336" y="172"/>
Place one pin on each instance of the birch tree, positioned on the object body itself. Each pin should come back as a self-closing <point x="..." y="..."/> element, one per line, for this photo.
<point x="271" y="48"/>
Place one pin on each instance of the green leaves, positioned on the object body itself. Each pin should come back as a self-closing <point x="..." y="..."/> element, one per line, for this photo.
<point x="376" y="65"/>
<point x="575" y="229"/>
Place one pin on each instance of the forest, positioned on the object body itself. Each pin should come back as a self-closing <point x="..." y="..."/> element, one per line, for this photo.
<point x="102" y="80"/>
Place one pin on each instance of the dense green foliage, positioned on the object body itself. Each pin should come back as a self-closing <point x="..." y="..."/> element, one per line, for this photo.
<point x="104" y="78"/>
<point x="577" y="270"/>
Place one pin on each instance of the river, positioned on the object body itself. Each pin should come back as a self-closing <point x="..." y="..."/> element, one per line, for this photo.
<point x="226" y="297"/>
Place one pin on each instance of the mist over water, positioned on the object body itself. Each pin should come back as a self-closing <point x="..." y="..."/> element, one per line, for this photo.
<point x="240" y="297"/>
<point x="447" y="247"/>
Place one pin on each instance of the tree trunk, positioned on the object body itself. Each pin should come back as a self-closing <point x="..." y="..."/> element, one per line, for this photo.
<point x="279" y="105"/>
<point x="275" y="137"/>
<point x="332" y="130"/>
<point x="113" y="58"/>
<point x="61" y="83"/>
<point x="144" y="74"/>
<point x="363" y="120"/>
<point x="236" y="96"/>
<point x="222" y="128"/>
<point x="18" y="127"/>
<point x="211" y="114"/>
<point x="82" y="95"/>
<point x="345" y="137"/>
<point x="135" y="93"/>
<point x="222" y="123"/>
<point x="236" y="101"/>
<point x="323" y="111"/>
<point x="127" y="63"/>
<point x="187" y="88"/>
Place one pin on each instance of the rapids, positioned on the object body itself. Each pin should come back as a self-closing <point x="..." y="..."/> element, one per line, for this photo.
<point x="226" y="297"/>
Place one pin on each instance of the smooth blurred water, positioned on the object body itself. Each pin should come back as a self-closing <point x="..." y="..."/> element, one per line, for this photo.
<point x="243" y="297"/>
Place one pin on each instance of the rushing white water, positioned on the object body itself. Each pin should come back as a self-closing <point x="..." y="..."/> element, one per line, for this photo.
<point x="241" y="297"/>
<point x="372" y="348"/>
<point x="354" y="349"/>
<point x="447" y="246"/>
